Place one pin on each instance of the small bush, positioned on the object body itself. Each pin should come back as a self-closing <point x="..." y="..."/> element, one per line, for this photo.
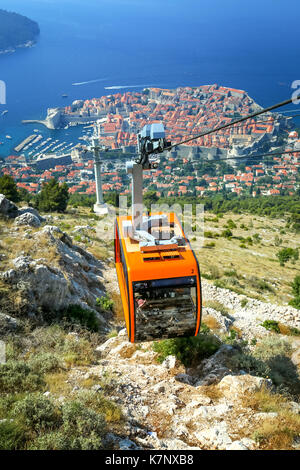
<point x="187" y="350"/>
<point x="210" y="245"/>
<point x="105" y="303"/>
<point x="12" y="435"/>
<point x="45" y="363"/>
<point x="214" y="272"/>
<point x="83" y="426"/>
<point x="77" y="351"/>
<point x="17" y="376"/>
<point x="97" y="402"/>
<point x="296" y="291"/>
<point x="230" y="224"/>
<point x="286" y="254"/>
<point x="209" y="234"/>
<point x="37" y="413"/>
<point x="82" y="316"/>
<point x="227" y="233"/>
<point x="271" y="325"/>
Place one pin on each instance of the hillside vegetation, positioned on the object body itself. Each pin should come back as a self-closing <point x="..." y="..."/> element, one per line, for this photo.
<point x="72" y="380"/>
<point x="16" y="30"/>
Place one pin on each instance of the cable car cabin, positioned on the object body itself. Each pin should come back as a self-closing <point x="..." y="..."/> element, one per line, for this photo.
<point x="160" y="286"/>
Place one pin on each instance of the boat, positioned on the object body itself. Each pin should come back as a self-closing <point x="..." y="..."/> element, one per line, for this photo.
<point x="64" y="96"/>
<point x="4" y="112"/>
<point x="8" y="136"/>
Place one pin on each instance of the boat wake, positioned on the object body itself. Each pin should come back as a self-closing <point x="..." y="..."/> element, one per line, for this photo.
<point x="90" y="81"/>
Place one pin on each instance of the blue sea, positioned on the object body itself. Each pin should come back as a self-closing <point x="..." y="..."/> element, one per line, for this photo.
<point x="131" y="44"/>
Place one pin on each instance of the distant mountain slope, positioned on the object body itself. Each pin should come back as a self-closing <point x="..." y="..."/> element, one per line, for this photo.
<point x="16" y="30"/>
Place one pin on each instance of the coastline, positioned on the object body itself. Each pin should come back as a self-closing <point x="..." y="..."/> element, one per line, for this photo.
<point x="28" y="44"/>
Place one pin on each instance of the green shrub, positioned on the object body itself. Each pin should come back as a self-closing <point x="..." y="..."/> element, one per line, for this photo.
<point x="81" y="316"/>
<point x="37" y="413"/>
<point x="101" y="405"/>
<point x="230" y="224"/>
<point x="244" y="302"/>
<point x="259" y="284"/>
<point x="12" y="435"/>
<point x="286" y="254"/>
<point x="45" y="362"/>
<point x="272" y="346"/>
<point x="271" y="325"/>
<point x="187" y="350"/>
<point x="296" y="291"/>
<point x="17" y="376"/>
<point x="77" y="351"/>
<point x="227" y="233"/>
<point x="210" y="245"/>
<point x="209" y="234"/>
<point x="214" y="272"/>
<point x="105" y="303"/>
<point x="83" y="426"/>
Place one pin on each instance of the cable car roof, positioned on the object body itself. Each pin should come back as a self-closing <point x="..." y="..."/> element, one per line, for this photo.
<point x="162" y="262"/>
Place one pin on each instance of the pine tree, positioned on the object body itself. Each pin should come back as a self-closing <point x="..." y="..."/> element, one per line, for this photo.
<point x="9" y="188"/>
<point x="53" y="197"/>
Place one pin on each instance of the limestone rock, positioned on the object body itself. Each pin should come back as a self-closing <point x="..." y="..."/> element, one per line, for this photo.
<point x="213" y="369"/>
<point x="169" y="362"/>
<point x="105" y="348"/>
<point x="237" y="385"/>
<point x="127" y="444"/>
<point x="237" y="445"/>
<point x="124" y="350"/>
<point x="7" y="323"/>
<point x="215" y="436"/>
<point x="30" y="210"/>
<point x="175" y="444"/>
<point x="7" y="208"/>
<point x="28" y="219"/>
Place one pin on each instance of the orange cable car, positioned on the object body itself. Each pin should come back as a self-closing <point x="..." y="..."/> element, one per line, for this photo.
<point x="157" y="270"/>
<point x="160" y="286"/>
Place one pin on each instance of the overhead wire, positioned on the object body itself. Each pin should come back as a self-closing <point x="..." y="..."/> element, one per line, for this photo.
<point x="225" y="126"/>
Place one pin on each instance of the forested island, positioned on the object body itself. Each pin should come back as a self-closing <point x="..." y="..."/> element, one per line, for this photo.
<point x="16" y="31"/>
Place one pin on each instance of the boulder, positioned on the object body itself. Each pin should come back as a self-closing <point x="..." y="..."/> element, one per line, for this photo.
<point x="7" y="323"/>
<point x="215" y="436"/>
<point x="124" y="350"/>
<point x="105" y="348"/>
<point x="169" y="362"/>
<point x="7" y="208"/>
<point x="28" y="219"/>
<point x="237" y="445"/>
<point x="237" y="385"/>
<point x="213" y="369"/>
<point x="30" y="210"/>
<point x="175" y="444"/>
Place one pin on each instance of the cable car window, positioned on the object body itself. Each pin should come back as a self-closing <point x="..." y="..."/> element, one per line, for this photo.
<point x="165" y="308"/>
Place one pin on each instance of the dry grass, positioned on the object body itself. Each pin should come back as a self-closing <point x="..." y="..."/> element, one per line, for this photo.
<point x="160" y="423"/>
<point x="37" y="247"/>
<point x="117" y="307"/>
<point x="278" y="433"/>
<point x="57" y="384"/>
<point x="259" y="258"/>
<point x="275" y="433"/>
<point x="212" y="391"/>
<point x="216" y="305"/>
<point x="211" y="322"/>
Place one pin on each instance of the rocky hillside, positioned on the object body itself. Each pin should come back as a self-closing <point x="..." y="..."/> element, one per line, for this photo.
<point x="73" y="381"/>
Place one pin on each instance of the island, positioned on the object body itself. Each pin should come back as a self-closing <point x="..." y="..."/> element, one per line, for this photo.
<point x="16" y="31"/>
